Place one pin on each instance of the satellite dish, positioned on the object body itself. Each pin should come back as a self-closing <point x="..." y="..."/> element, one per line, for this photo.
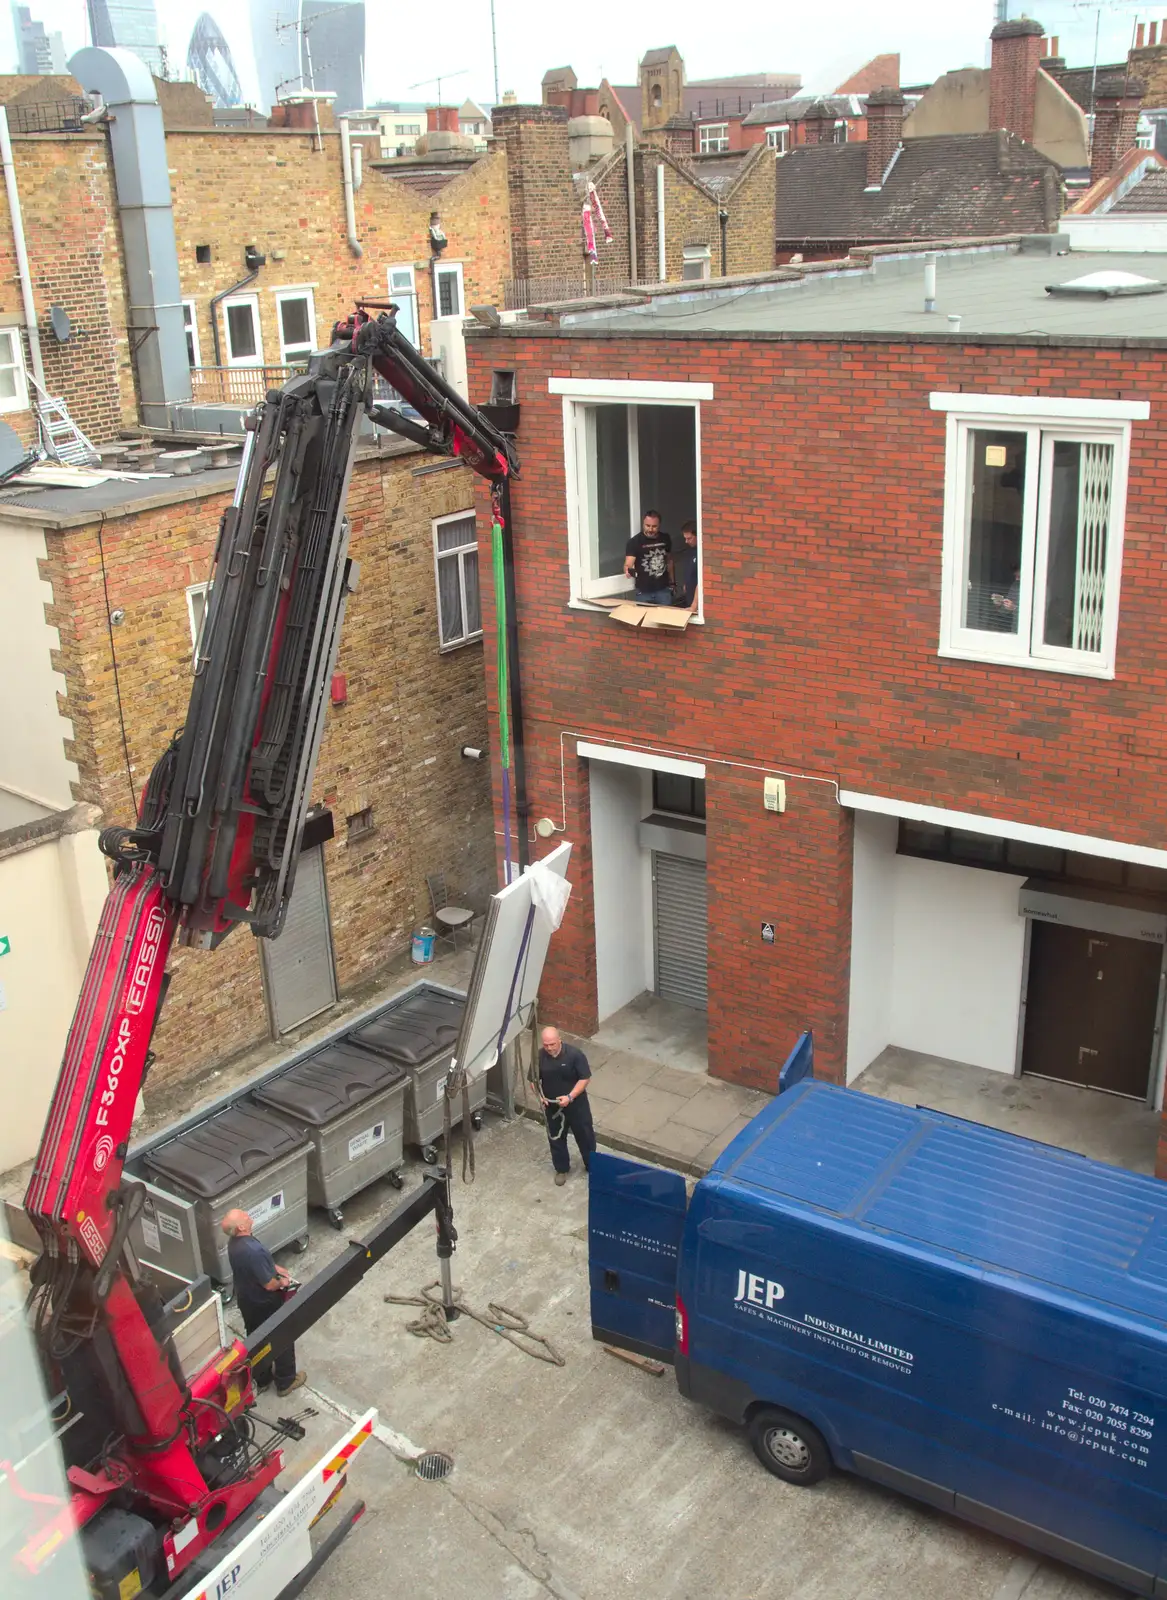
<point x="13" y="454"/>
<point x="62" y="327"/>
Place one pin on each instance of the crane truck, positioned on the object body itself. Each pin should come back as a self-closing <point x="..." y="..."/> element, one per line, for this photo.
<point x="172" y="1482"/>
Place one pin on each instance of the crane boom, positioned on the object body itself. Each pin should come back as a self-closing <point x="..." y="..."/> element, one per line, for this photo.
<point x="216" y="844"/>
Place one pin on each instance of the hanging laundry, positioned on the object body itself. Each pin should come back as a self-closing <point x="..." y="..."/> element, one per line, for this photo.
<point x="591" y="210"/>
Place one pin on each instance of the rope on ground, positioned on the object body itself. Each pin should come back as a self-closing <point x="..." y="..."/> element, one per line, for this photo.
<point x="499" y="1319"/>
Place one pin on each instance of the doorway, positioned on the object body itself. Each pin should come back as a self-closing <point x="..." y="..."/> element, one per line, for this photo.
<point x="1091" y="1007"/>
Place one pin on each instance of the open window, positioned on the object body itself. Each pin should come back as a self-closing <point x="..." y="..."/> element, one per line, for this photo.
<point x="403" y="294"/>
<point x="695" y="263"/>
<point x="629" y="447"/>
<point x="778" y="137"/>
<point x="13" y="383"/>
<point x="1034" y="507"/>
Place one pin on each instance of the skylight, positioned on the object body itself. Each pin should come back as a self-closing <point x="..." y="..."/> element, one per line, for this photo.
<point x="1107" y="285"/>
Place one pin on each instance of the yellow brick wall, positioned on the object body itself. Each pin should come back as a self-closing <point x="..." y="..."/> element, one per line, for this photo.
<point x="394" y="746"/>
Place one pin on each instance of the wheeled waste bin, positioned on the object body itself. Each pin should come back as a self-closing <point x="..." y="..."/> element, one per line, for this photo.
<point x="417" y="1031"/>
<point x="349" y="1102"/>
<point x="245" y="1156"/>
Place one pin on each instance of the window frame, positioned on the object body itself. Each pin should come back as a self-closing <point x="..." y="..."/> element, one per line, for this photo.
<point x="251" y="300"/>
<point x="705" y="142"/>
<point x="444" y="269"/>
<point x="191" y="330"/>
<point x="695" y="812"/>
<point x="1043" y="420"/>
<point x="458" y="553"/>
<point x="20" y="400"/>
<point x="841" y="123"/>
<point x="409" y="294"/>
<point x="782" y="143"/>
<point x="577" y="394"/>
<point x="281" y="297"/>
<point x="194" y="593"/>
<point x="696" y="255"/>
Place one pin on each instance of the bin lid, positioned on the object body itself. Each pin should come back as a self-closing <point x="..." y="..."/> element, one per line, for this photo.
<point x="235" y="1145"/>
<point x="415" y="1028"/>
<point x="330" y="1082"/>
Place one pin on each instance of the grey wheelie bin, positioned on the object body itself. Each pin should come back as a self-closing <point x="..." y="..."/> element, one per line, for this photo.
<point x="349" y="1102"/>
<point x="245" y="1156"/>
<point x="417" y="1031"/>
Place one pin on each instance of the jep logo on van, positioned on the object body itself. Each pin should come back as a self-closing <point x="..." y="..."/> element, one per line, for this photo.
<point x="758" y="1291"/>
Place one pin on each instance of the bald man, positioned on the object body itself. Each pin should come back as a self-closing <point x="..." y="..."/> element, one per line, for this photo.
<point x="563" y="1088"/>
<point x="259" y="1288"/>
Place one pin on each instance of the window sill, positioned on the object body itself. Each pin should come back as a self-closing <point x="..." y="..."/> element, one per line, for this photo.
<point x="696" y="621"/>
<point x="1026" y="663"/>
<point x="460" y="644"/>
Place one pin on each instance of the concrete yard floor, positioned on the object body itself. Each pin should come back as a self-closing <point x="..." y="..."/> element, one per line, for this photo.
<point x="1107" y="1127"/>
<point x="662" y="1030"/>
<point x="594" y="1481"/>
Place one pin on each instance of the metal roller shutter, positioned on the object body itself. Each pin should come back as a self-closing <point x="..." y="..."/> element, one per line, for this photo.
<point x="297" y="967"/>
<point x="681" y="923"/>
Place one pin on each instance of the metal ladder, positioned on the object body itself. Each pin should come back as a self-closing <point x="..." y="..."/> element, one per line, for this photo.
<point x="60" y="435"/>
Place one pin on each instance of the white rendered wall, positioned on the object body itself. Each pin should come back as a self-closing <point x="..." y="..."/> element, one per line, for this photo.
<point x="32" y="730"/>
<point x="872" y="940"/>
<point x="620" y="881"/>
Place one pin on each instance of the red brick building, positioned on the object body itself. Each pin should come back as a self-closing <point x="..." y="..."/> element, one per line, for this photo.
<point x="908" y="750"/>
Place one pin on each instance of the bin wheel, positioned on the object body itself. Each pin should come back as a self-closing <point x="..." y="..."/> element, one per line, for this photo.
<point x="227" y="1296"/>
<point x="789" y="1447"/>
<point x="429" y="1154"/>
<point x="336" y="1217"/>
<point x="396" y="1179"/>
<point x="476" y="1120"/>
<point x="301" y="1244"/>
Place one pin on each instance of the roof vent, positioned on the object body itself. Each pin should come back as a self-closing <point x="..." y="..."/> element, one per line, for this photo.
<point x="1107" y="286"/>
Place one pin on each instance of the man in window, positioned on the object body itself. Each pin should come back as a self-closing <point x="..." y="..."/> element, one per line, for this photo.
<point x="648" y="560"/>
<point x="685" y="573"/>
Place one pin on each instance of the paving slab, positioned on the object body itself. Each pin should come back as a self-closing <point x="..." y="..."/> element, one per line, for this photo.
<point x="708" y="1112"/>
<point x="646" y="1110"/>
<point x="622" y="1075"/>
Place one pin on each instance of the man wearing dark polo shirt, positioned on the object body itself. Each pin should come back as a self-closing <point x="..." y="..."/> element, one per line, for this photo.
<point x="563" y="1088"/>
<point x="259" y="1290"/>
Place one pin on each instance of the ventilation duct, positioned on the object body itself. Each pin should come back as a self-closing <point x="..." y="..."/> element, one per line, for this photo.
<point x="137" y="143"/>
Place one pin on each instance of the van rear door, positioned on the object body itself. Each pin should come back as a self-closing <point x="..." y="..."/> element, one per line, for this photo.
<point x="636" y="1215"/>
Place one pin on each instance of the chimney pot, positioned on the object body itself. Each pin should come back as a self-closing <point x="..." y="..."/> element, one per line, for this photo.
<point x="1153" y="33"/>
<point x="1140" y="33"/>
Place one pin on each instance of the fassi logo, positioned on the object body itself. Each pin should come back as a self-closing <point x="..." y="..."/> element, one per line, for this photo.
<point x="102" y="1153"/>
<point x="113" y="1073"/>
<point x="147" y="959"/>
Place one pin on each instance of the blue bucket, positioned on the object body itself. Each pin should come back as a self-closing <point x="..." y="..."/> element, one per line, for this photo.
<point x="423" y="946"/>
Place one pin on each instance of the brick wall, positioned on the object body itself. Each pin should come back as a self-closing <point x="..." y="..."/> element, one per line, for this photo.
<point x="394" y="746"/>
<point x="1150" y="64"/>
<point x="544" y="208"/>
<point x="752" y="204"/>
<point x="71" y="231"/>
<point x="277" y="191"/>
<point x="690" y="215"/>
<point x="822" y="551"/>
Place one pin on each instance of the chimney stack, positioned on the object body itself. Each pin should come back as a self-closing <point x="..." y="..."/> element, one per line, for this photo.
<point x="1116" y="122"/>
<point x="885" y="121"/>
<point x="819" y="121"/>
<point x="1013" y="75"/>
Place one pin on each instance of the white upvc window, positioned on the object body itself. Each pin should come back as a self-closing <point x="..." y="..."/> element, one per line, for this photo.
<point x="713" y="137"/>
<point x="403" y="293"/>
<point x="1034" y="505"/>
<point x="695" y="264"/>
<point x="456" y="571"/>
<point x="296" y="320"/>
<point x="190" y="327"/>
<point x="841" y="131"/>
<point x="198" y="597"/>
<point x="448" y="296"/>
<point x="778" y="137"/>
<point x="13" y="383"/>
<point x="629" y="447"/>
<point x="244" y="340"/>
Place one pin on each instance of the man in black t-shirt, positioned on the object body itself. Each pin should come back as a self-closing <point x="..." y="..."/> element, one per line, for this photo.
<point x="260" y="1288"/>
<point x="563" y="1088"/>
<point x="648" y="560"/>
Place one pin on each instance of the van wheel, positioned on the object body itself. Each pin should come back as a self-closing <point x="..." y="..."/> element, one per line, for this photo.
<point x="789" y="1447"/>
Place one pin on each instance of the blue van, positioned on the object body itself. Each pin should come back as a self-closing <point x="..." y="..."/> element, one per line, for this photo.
<point x="971" y="1318"/>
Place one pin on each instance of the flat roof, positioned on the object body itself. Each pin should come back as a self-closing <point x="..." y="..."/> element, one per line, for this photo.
<point x="998" y="292"/>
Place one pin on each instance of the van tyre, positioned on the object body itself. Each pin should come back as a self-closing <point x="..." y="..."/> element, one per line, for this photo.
<point x="789" y="1447"/>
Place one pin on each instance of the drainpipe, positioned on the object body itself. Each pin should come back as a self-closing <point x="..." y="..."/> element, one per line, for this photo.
<point x="350" y="216"/>
<point x="630" y="176"/>
<point x="723" y="220"/>
<point x="661" y="257"/>
<point x="34" y="337"/>
<point x="515" y="678"/>
<point x="223" y="294"/>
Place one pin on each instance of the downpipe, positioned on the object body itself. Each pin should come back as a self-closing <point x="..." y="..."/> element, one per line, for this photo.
<point x="350" y="215"/>
<point x="22" y="268"/>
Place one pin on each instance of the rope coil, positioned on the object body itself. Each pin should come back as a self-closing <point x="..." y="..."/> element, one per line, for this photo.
<point x="500" y="1319"/>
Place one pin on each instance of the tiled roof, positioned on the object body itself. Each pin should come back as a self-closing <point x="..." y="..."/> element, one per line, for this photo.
<point x="843" y="105"/>
<point x="1149" y="194"/>
<point x="1078" y="82"/>
<point x="945" y="187"/>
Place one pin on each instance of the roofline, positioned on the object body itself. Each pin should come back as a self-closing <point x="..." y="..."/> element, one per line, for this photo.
<point x="1110" y="187"/>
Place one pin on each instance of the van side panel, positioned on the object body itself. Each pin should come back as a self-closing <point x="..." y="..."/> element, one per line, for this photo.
<point x="993" y="1397"/>
<point x="636" y="1216"/>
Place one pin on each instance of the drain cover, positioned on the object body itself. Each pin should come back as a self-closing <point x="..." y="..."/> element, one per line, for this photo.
<point x="435" y="1465"/>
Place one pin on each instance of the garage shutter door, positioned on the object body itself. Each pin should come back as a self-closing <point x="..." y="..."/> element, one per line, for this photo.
<point x="298" y="969"/>
<point x="679" y="904"/>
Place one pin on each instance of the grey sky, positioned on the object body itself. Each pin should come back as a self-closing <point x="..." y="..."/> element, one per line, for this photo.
<point x="822" y="43"/>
